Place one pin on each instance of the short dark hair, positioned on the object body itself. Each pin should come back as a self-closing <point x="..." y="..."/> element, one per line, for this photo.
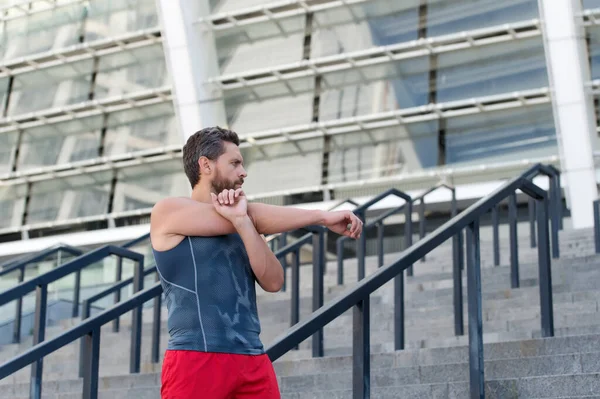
<point x="208" y="143"/>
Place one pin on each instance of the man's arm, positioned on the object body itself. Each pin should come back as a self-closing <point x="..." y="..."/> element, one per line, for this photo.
<point x="265" y="265"/>
<point x="186" y="217"/>
<point x="232" y="205"/>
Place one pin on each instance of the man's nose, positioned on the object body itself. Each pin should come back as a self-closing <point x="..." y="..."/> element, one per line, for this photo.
<point x="243" y="174"/>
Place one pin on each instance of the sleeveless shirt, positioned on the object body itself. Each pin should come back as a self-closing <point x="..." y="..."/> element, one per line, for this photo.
<point x="209" y="290"/>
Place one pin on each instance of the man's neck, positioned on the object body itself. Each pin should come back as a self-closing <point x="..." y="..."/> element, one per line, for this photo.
<point x="201" y="193"/>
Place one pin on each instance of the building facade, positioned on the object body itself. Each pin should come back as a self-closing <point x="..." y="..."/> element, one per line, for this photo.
<point x="332" y="99"/>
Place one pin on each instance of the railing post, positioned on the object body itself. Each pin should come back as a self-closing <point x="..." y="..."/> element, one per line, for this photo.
<point x="408" y="231"/>
<point x="476" y="365"/>
<point x="380" y="233"/>
<point x="532" y="217"/>
<point x="76" y="293"/>
<point x="558" y="201"/>
<point x="156" y="325"/>
<point x="295" y="311"/>
<point x="85" y="313"/>
<point x="545" y="270"/>
<point x="597" y="225"/>
<point x="361" y="249"/>
<point x="495" y="235"/>
<point x="136" y="321"/>
<point x="39" y="334"/>
<point x="340" y="260"/>
<point x="514" y="249"/>
<point x="554" y="206"/>
<point x="457" y="298"/>
<point x="18" y="309"/>
<point x="118" y="277"/>
<point x="318" y="288"/>
<point x="361" y="350"/>
<point x="283" y="259"/>
<point x="91" y="364"/>
<point x="399" y="335"/>
<point x="422" y="222"/>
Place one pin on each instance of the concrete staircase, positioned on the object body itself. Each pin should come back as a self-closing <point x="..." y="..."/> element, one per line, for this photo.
<point x="519" y="364"/>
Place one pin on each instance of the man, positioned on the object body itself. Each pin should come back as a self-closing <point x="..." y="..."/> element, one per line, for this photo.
<point x="209" y="253"/>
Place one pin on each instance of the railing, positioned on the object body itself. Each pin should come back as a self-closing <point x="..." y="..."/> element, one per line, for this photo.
<point x="24" y="262"/>
<point x="316" y="237"/>
<point x="26" y="257"/>
<point x="358" y="297"/>
<point x="20" y="267"/>
<point x="457" y="257"/>
<point x="87" y="306"/>
<point x="40" y="284"/>
<point x="89" y="330"/>
<point x="361" y="243"/>
<point x="555" y="213"/>
<point x="596" y="205"/>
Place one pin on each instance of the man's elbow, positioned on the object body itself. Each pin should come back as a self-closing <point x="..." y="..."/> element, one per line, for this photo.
<point x="273" y="285"/>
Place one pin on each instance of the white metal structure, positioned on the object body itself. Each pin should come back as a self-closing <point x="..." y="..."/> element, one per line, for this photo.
<point x="573" y="106"/>
<point x="331" y="99"/>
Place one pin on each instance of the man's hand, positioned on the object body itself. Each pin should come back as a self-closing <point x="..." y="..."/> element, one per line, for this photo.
<point x="231" y="204"/>
<point x="339" y="221"/>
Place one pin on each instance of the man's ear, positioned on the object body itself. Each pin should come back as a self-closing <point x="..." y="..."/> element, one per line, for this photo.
<point x="205" y="166"/>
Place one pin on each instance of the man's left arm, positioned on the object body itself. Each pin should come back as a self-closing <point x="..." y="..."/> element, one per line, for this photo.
<point x="271" y="219"/>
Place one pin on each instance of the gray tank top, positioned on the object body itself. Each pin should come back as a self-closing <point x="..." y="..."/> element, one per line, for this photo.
<point x="210" y="295"/>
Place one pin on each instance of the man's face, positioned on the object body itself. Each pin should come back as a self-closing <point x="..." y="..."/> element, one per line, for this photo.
<point x="229" y="172"/>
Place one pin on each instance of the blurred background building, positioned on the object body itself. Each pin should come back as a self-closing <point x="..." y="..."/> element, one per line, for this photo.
<point x="332" y="98"/>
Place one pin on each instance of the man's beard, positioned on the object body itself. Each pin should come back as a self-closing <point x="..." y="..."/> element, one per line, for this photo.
<point x="219" y="184"/>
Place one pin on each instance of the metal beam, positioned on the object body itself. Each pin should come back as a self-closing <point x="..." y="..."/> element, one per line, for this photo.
<point x="447" y="172"/>
<point x="271" y="12"/>
<point x="80" y="52"/>
<point x="380" y="55"/>
<point x="293" y="134"/>
<point x="85" y="109"/>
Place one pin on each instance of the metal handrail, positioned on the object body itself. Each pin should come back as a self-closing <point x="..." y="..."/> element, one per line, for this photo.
<point x="316" y="236"/>
<point x="23" y="262"/>
<point x="361" y="244"/>
<point x="358" y="296"/>
<point x="555" y="215"/>
<point x="89" y="330"/>
<point x="40" y="284"/>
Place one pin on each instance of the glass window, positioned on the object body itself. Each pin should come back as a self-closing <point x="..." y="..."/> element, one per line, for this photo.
<point x="53" y="144"/>
<point x="110" y="18"/>
<point x="43" y="31"/>
<point x="501" y="136"/>
<point x="594" y="50"/>
<point x="12" y="205"/>
<point x="489" y="70"/>
<point x="141" y="129"/>
<point x="452" y="16"/>
<point x="140" y="187"/>
<point x="283" y="166"/>
<point x="379" y="88"/>
<point x="361" y="26"/>
<point x="8" y="142"/>
<point x="247" y="113"/>
<point x="591" y="4"/>
<point x="69" y="198"/>
<point x="383" y="152"/>
<point x="130" y="71"/>
<point x="260" y="45"/>
<point x="51" y="87"/>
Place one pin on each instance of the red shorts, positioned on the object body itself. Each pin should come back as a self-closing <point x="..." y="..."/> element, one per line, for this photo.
<point x="202" y="375"/>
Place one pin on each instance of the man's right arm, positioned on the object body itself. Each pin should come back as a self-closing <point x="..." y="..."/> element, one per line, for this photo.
<point x="176" y="216"/>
